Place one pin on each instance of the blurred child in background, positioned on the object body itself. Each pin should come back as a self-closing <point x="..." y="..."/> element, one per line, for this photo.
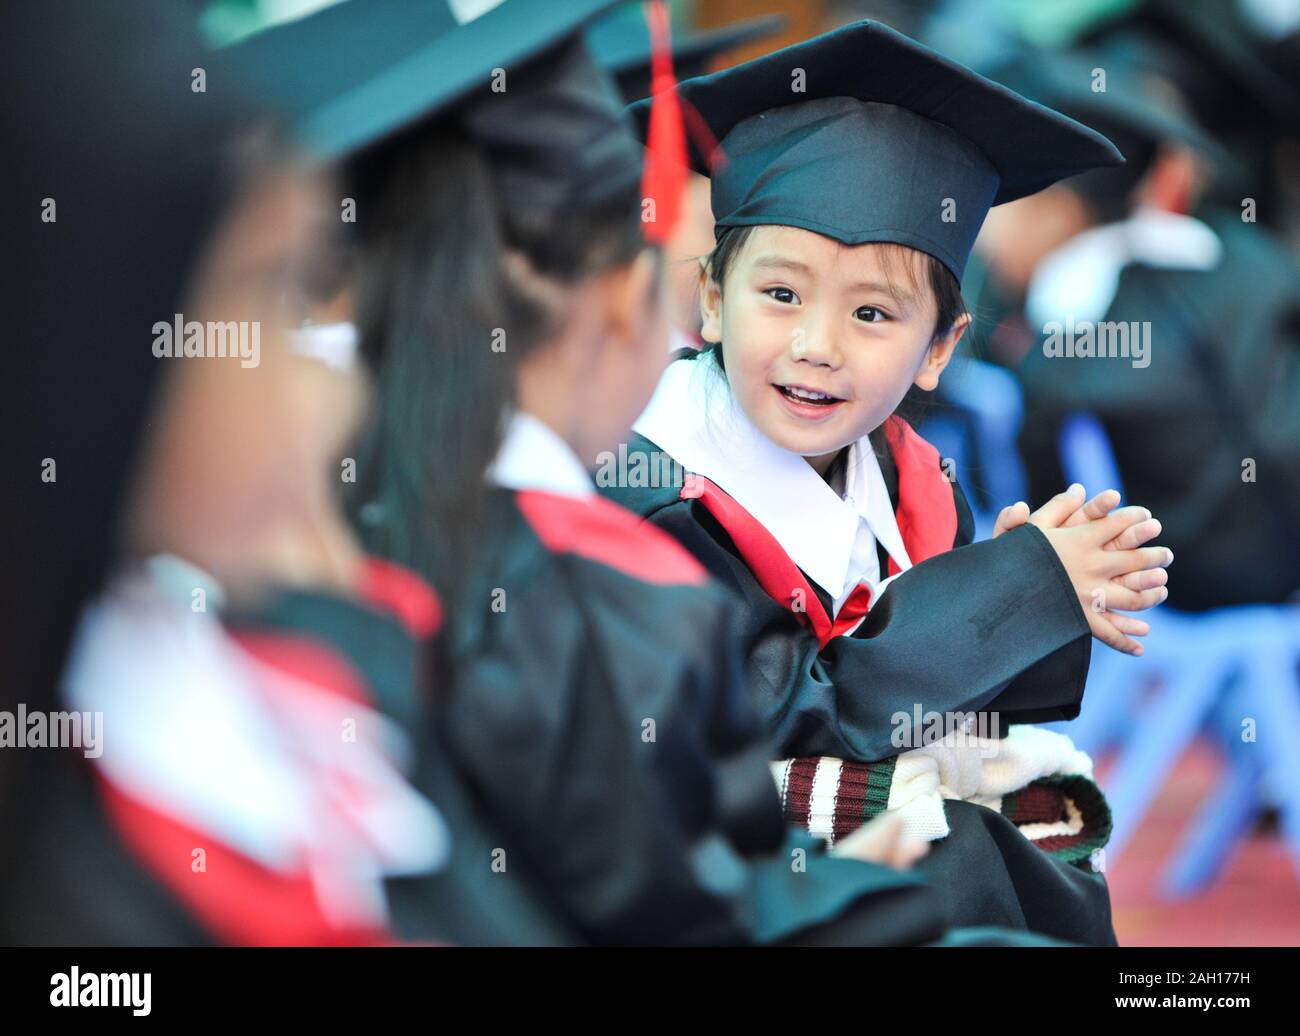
<point x="246" y="786"/>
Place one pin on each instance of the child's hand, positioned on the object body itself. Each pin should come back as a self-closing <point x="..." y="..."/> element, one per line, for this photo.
<point x="1062" y="509"/>
<point x="1066" y="504"/>
<point x="1109" y="568"/>
<point x="882" y="841"/>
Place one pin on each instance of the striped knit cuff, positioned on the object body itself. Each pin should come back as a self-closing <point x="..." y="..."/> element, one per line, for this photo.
<point x="831" y="798"/>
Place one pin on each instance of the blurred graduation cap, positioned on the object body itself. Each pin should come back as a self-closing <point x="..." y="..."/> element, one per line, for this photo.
<point x="863" y="134"/>
<point x="1209" y="46"/>
<point x="622" y="45"/>
<point x="361" y="71"/>
<point x="1135" y="105"/>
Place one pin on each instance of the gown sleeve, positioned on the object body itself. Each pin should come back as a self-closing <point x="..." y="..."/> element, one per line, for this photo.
<point x="989" y="626"/>
<point x="583" y="743"/>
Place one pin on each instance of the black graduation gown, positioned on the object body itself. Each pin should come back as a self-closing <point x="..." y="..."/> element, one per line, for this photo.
<point x="446" y="905"/>
<point x="596" y="709"/>
<point x="968" y="629"/>
<point x="1223" y="385"/>
<point x="102" y="865"/>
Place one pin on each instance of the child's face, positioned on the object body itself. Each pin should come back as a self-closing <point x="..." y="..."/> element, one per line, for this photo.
<point x="800" y="313"/>
<point x="238" y="454"/>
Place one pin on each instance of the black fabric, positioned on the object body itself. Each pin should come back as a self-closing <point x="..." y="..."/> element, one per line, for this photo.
<point x="99" y="117"/>
<point x="863" y="134"/>
<point x="355" y="73"/>
<point x="373" y="642"/>
<point x="1223" y="385"/>
<point x="454" y="904"/>
<point x="975" y="629"/>
<point x="557" y="136"/>
<point x="467" y="902"/>
<point x="621" y="43"/>
<point x="678" y="840"/>
<point x="74" y="883"/>
<point x="988" y="873"/>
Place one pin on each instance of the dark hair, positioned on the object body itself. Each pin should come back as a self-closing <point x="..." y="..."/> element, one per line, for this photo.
<point x="446" y="266"/>
<point x="1107" y="194"/>
<point x="943" y="285"/>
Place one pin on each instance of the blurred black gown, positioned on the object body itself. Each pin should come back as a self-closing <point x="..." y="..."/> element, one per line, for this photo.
<point x="597" y="713"/>
<point x="1222" y="386"/>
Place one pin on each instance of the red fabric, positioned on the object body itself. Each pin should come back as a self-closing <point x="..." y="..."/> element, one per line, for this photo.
<point x="307" y="660"/>
<point x="238" y="901"/>
<point x="858" y="604"/>
<point x="780" y="577"/>
<point x="798" y="789"/>
<point x="927" y="510"/>
<point x="599" y="530"/>
<point x="402" y="593"/>
<point x="927" y="521"/>
<point x="664" y="178"/>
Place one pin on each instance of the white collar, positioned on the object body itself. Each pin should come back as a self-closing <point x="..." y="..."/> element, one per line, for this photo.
<point x="335" y="345"/>
<point x="533" y="456"/>
<point x="1081" y="277"/>
<point x="209" y="734"/>
<point x="694" y="418"/>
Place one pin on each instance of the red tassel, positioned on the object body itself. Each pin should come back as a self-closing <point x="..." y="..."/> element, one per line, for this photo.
<point x="664" y="179"/>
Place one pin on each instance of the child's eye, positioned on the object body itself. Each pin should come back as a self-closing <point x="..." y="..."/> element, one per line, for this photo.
<point x="782" y="295"/>
<point x="869" y="314"/>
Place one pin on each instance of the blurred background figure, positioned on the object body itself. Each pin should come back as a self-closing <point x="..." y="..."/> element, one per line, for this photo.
<point x="234" y="776"/>
<point x="1205" y="425"/>
<point x="1190" y="250"/>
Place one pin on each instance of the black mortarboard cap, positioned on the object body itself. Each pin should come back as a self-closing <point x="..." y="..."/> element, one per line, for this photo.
<point x="357" y="73"/>
<point x="863" y="135"/>
<point x="621" y="45"/>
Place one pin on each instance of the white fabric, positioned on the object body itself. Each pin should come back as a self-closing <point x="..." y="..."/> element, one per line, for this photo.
<point x="334" y="345"/>
<point x="960" y="766"/>
<point x="533" y="456"/>
<point x="1081" y="277"/>
<point x="205" y="733"/>
<point x="977" y="769"/>
<point x="694" y="418"/>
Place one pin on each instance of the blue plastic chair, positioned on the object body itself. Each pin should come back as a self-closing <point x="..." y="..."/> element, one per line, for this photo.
<point x="1206" y="668"/>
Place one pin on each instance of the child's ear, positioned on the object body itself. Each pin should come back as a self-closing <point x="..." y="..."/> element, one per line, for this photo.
<point x="939" y="353"/>
<point x="710" y="306"/>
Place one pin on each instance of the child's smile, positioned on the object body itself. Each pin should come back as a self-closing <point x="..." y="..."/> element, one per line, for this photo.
<point x="808" y="404"/>
<point x="821" y="340"/>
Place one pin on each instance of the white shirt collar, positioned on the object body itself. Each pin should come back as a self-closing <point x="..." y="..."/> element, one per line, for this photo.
<point x="209" y="734"/>
<point x="533" y="456"/>
<point x="1081" y="277"/>
<point x="694" y="418"/>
